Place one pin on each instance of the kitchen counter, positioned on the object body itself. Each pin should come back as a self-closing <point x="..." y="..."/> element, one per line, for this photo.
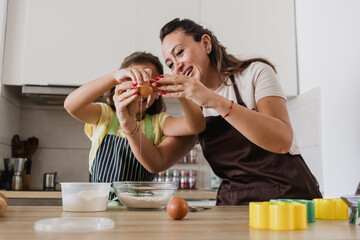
<point x="230" y="222"/>
<point x="53" y="198"/>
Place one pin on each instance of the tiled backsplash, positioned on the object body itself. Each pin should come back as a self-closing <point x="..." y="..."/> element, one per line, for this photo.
<point x="9" y="121"/>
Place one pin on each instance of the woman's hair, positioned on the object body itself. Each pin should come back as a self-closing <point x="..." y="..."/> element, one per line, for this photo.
<point x="140" y="58"/>
<point x="225" y="64"/>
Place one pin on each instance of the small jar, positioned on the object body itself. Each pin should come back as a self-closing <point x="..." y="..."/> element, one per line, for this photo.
<point x="183" y="179"/>
<point x="175" y="176"/>
<point x="168" y="175"/>
<point x="192" y="179"/>
<point x="160" y="177"/>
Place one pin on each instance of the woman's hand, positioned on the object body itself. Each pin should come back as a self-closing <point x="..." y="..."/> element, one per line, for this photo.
<point x="180" y="86"/>
<point x="136" y="75"/>
<point x="126" y="104"/>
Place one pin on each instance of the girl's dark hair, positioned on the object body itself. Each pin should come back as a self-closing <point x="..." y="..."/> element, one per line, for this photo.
<point x="225" y="64"/>
<point x="139" y="58"/>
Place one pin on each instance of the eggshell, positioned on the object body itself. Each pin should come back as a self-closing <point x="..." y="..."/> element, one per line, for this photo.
<point x="177" y="208"/>
<point x="145" y="89"/>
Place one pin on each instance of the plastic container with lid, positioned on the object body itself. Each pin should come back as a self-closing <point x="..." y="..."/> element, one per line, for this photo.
<point x="74" y="224"/>
<point x="85" y="196"/>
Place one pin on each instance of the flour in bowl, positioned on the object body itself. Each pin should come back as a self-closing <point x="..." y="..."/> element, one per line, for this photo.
<point x="155" y="201"/>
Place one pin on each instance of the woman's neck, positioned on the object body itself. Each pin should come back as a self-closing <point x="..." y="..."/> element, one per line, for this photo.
<point x="213" y="80"/>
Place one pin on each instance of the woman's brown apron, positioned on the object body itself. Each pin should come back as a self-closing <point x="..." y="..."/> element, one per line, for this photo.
<point x="250" y="173"/>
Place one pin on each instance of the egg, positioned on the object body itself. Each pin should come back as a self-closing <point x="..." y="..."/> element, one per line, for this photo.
<point x="177" y="208"/>
<point x="3" y="204"/>
<point x="145" y="89"/>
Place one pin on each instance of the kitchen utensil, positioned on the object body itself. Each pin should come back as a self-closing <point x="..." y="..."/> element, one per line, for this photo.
<point x="24" y="149"/>
<point x="277" y="215"/>
<point x="17" y="166"/>
<point x="85" y="196"/>
<point x="197" y="209"/>
<point x="49" y="183"/>
<point x="310" y="207"/>
<point x="145" y="195"/>
<point x="31" y="146"/>
<point x="335" y="209"/>
<point x="7" y="175"/>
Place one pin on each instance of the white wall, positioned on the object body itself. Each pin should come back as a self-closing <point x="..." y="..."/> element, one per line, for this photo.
<point x="328" y="34"/>
<point x="305" y="116"/>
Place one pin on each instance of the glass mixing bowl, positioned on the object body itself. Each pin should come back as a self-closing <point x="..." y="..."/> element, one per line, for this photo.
<point x="145" y="195"/>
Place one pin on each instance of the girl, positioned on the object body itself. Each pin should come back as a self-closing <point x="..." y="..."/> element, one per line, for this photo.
<point x="128" y="141"/>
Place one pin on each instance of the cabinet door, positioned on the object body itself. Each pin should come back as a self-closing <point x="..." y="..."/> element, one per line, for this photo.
<point x="66" y="42"/>
<point x="257" y="28"/>
<point x="151" y="16"/>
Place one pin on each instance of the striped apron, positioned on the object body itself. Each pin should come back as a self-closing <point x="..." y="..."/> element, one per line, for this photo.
<point x="114" y="160"/>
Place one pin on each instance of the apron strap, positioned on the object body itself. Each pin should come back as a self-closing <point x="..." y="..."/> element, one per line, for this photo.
<point x="114" y="125"/>
<point x="149" y="131"/>
<point x="237" y="94"/>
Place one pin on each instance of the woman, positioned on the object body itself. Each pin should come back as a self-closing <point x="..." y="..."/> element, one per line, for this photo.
<point x="128" y="132"/>
<point x="248" y="140"/>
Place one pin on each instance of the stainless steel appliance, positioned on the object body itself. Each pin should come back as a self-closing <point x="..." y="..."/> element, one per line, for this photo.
<point x="17" y="166"/>
<point x="50" y="181"/>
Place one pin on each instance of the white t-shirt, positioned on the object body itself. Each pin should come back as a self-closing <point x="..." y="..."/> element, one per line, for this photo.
<point x="256" y="82"/>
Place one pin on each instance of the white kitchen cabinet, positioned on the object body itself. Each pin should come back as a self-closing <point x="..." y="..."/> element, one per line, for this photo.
<point x="65" y="42"/>
<point x="152" y="15"/>
<point x="72" y="42"/>
<point x="257" y="28"/>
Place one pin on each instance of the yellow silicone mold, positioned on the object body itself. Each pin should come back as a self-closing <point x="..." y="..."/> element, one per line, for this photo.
<point x="277" y="215"/>
<point x="331" y="209"/>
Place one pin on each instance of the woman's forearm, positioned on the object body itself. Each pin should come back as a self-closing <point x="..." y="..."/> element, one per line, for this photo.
<point x="272" y="132"/>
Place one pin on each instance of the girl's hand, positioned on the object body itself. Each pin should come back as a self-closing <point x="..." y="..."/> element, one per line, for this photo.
<point x="180" y="86"/>
<point x="126" y="104"/>
<point x="136" y="75"/>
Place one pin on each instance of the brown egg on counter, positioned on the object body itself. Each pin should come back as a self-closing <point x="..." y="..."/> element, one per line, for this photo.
<point x="177" y="208"/>
<point x="3" y="204"/>
<point x="145" y="89"/>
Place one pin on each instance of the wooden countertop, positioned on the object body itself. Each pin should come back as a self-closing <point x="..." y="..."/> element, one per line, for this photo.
<point x="230" y="222"/>
<point x="186" y="194"/>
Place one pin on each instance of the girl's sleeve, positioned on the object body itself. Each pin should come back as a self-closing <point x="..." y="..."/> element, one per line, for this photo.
<point x="103" y="124"/>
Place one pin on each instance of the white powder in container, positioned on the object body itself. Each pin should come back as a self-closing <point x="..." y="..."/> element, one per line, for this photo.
<point x="86" y="201"/>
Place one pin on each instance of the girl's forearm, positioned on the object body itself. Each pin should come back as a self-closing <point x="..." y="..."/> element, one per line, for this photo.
<point x="161" y="157"/>
<point x="146" y="153"/>
<point x="89" y="92"/>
